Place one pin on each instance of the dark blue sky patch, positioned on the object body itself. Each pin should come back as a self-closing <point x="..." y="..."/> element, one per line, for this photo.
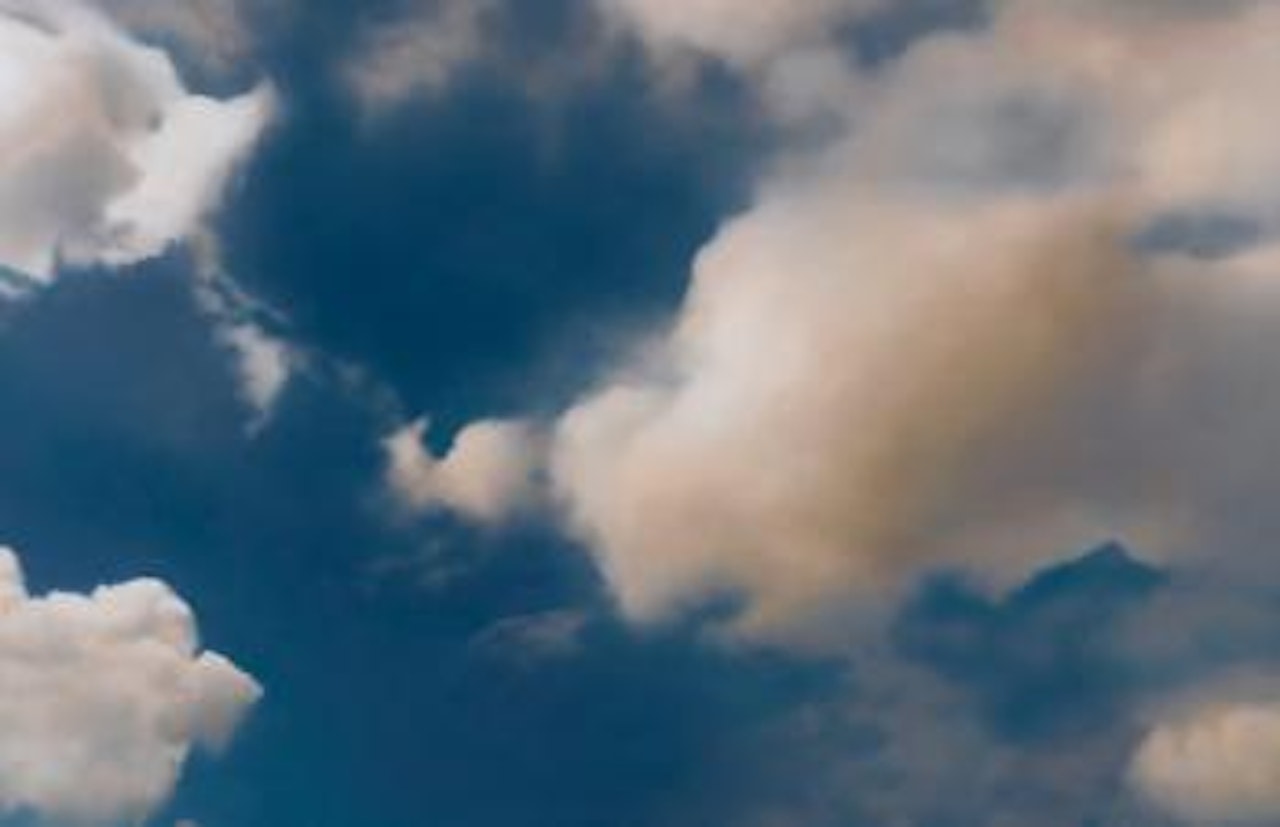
<point x="116" y="400"/>
<point x="121" y="459"/>
<point x="471" y="247"/>
<point x="1040" y="662"/>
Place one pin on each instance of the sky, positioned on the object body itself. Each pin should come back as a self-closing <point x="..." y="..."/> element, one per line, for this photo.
<point x="637" y="413"/>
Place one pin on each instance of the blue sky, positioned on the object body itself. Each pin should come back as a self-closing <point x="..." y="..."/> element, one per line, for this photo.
<point x="624" y="413"/>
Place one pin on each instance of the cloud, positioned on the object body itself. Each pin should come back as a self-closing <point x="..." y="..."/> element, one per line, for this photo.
<point x="788" y="443"/>
<point x="264" y="365"/>
<point x="1218" y="763"/>
<point x="937" y="764"/>
<point x="215" y="33"/>
<point x="934" y="344"/>
<point x="107" y="159"/>
<point x="528" y="640"/>
<point x="418" y="54"/>
<point x="976" y="712"/>
<point x="486" y="475"/>
<point x="102" y="697"/>
<point x="936" y="341"/>
<point x="741" y="33"/>
<point x="263" y="362"/>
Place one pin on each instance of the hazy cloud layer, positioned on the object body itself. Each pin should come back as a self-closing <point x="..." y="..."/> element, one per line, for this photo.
<point x="102" y="696"/>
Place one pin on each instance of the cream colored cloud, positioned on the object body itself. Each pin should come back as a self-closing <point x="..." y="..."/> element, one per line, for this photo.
<point x="856" y="392"/>
<point x="1189" y="130"/>
<point x="102" y="697"/>
<point x="934" y="343"/>
<point x="105" y="157"/>
<point x="487" y="473"/>
<point x="1217" y="764"/>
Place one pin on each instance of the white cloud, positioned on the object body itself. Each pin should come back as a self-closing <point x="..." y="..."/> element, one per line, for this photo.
<point x="105" y="157"/>
<point x="486" y="475"/>
<point x="184" y="165"/>
<point x="102" y="696"/>
<point x="1217" y="764"/>
<point x="418" y="54"/>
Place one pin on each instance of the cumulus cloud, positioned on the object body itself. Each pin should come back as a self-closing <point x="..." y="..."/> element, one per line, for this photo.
<point x="935" y="344"/>
<point x="1218" y="763"/>
<point x="937" y="341"/>
<point x="106" y="158"/>
<point x="102" y="697"/>
<point x="418" y="54"/>
<point x="789" y="442"/>
<point x="487" y="474"/>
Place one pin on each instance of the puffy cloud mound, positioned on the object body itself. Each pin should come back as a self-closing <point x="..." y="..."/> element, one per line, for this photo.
<point x="854" y="392"/>
<point x="949" y="338"/>
<point x="102" y="696"/>
<point x="1218" y="765"/>
<point x="938" y="344"/>
<point x="105" y="156"/>
<point x="487" y="474"/>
